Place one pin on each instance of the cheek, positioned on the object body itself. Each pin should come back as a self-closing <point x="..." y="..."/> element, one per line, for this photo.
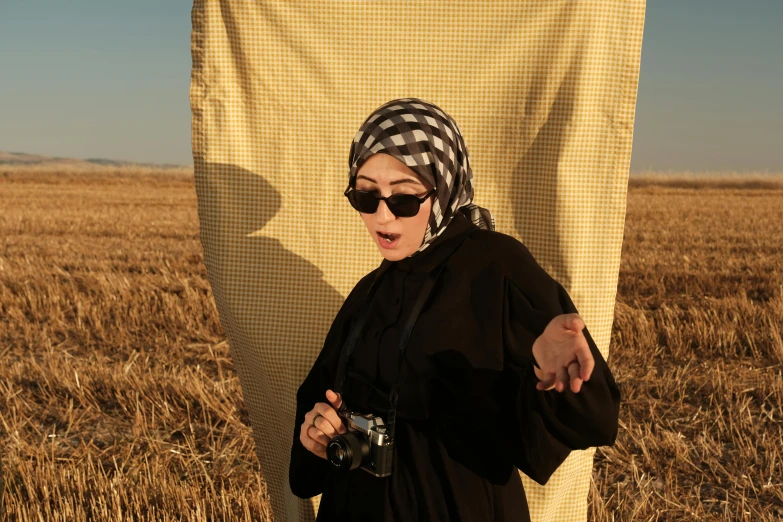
<point x="366" y="221"/>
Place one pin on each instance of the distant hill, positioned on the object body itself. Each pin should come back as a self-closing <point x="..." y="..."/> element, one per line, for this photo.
<point x="20" y="158"/>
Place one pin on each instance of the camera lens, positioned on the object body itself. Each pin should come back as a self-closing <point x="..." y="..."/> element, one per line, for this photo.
<point x="347" y="451"/>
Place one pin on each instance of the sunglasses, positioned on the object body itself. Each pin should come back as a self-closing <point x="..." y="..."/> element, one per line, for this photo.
<point x="401" y="205"/>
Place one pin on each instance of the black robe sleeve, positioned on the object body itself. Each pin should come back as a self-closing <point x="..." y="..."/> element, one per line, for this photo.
<point x="549" y="424"/>
<point x="308" y="472"/>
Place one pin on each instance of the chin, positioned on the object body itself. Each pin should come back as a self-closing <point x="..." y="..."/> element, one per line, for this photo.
<point x="393" y="255"/>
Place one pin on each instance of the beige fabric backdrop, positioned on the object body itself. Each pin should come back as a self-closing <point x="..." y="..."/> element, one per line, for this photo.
<point x="544" y="92"/>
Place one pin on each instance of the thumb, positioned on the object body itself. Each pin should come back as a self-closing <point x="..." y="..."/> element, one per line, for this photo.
<point x="574" y="323"/>
<point x="335" y="399"/>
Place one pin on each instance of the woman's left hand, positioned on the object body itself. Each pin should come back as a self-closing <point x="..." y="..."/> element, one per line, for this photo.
<point x="563" y="354"/>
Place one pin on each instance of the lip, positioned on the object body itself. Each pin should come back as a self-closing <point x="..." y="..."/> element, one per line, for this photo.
<point x="382" y="242"/>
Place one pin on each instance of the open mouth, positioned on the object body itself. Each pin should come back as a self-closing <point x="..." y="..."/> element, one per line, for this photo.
<point x="388" y="238"/>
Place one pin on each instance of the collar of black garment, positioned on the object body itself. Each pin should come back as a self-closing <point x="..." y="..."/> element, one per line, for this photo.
<point x="428" y="259"/>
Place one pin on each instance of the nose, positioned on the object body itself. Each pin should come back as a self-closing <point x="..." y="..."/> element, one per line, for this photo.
<point x="383" y="214"/>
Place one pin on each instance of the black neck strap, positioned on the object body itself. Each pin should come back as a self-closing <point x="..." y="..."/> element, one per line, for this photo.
<point x="391" y="417"/>
<point x="353" y="337"/>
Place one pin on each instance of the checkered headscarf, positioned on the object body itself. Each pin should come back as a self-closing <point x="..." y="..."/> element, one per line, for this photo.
<point x="429" y="142"/>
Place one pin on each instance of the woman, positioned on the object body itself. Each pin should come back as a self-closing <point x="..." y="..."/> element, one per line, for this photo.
<point x="498" y="373"/>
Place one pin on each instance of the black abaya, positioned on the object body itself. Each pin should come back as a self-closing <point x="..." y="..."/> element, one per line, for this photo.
<point x="469" y="413"/>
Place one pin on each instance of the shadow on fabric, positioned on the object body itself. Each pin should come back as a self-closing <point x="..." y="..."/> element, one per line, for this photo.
<point x="263" y="310"/>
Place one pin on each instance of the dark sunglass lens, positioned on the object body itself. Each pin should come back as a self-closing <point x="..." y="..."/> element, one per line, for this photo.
<point x="363" y="201"/>
<point x="404" y="205"/>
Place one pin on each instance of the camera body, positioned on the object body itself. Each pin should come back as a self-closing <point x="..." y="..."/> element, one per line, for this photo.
<point x="366" y="444"/>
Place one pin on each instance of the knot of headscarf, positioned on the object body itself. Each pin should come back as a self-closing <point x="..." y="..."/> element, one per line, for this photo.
<point x="429" y="142"/>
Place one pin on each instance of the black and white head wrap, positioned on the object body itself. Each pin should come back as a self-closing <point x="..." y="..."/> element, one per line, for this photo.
<point x="429" y="142"/>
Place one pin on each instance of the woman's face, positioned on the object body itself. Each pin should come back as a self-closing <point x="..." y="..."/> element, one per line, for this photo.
<point x="386" y="175"/>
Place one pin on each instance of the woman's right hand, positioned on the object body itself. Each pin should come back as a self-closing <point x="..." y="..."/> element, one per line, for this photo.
<point x="321" y="424"/>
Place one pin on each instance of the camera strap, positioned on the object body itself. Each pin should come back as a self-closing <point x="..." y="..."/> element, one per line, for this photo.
<point x="353" y="337"/>
<point x="391" y="417"/>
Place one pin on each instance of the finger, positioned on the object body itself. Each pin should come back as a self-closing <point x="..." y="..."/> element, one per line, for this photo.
<point x="548" y="383"/>
<point x="317" y="435"/>
<point x="308" y="419"/>
<point x="307" y="441"/>
<point x="334" y="398"/>
<point x="312" y="416"/>
<point x="575" y="322"/>
<point x="324" y="426"/>
<point x="330" y="415"/>
<point x="586" y="361"/>
<point x="303" y="437"/>
<point x="562" y="380"/>
<point x="571" y="322"/>
<point x="314" y="447"/>
<point x="573" y="373"/>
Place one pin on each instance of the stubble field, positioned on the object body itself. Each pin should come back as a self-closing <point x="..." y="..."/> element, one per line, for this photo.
<point x="118" y="399"/>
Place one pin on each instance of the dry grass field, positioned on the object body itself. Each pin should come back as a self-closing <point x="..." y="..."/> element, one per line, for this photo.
<point x="118" y="399"/>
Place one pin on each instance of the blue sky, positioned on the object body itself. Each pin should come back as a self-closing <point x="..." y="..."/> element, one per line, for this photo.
<point x="110" y="79"/>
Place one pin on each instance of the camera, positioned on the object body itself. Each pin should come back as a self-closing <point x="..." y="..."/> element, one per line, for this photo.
<point x="365" y="444"/>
